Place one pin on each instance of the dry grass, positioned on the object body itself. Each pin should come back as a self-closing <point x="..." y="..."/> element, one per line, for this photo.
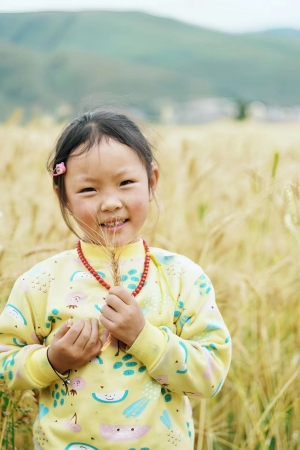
<point x="229" y="199"/>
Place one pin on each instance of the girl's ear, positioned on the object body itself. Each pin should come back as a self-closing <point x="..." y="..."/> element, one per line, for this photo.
<point x="55" y="188"/>
<point x="153" y="181"/>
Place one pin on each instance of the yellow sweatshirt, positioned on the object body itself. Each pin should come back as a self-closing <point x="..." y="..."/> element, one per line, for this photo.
<point x="134" y="400"/>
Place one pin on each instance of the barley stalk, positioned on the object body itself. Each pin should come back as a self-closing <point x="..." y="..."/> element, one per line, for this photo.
<point x="113" y="255"/>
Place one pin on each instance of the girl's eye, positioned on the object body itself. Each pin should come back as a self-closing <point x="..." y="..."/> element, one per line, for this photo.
<point x="87" y="190"/>
<point x="124" y="183"/>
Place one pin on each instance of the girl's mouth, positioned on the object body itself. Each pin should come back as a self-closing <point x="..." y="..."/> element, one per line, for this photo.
<point x="114" y="224"/>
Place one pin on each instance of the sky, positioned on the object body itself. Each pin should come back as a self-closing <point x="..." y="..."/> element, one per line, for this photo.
<point x="225" y="15"/>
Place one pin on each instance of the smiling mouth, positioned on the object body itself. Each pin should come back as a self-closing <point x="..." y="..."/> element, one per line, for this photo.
<point x="114" y="223"/>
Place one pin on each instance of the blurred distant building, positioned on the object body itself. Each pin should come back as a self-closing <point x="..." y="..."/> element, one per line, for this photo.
<point x="259" y="111"/>
<point x="211" y="109"/>
<point x="198" y="111"/>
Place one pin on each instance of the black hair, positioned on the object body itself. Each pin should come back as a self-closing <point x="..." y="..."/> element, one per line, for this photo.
<point x="87" y="130"/>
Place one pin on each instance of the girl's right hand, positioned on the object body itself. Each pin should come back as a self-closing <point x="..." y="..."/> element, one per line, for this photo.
<point x="75" y="345"/>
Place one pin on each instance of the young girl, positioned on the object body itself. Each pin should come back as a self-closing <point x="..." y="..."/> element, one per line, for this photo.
<point x="116" y="364"/>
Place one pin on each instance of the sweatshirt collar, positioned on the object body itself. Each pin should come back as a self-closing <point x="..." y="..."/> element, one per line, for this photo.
<point x="93" y="252"/>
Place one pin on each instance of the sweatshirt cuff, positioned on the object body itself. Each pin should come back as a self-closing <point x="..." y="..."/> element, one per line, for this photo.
<point x="149" y="346"/>
<point x="39" y="368"/>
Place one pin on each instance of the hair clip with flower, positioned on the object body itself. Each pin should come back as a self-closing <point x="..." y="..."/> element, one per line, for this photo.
<point x="59" y="169"/>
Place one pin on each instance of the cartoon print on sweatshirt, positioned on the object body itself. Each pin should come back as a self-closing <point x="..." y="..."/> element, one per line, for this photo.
<point x="152" y="303"/>
<point x="9" y="361"/>
<point x="166" y="393"/>
<point x="162" y="379"/>
<point x="77" y="384"/>
<point x="204" y="283"/>
<point x="74" y="299"/>
<point x="203" y="336"/>
<point x="183" y="368"/>
<point x="53" y="317"/>
<point x="218" y="388"/>
<point x="123" y="433"/>
<point x="184" y="320"/>
<point x="189" y="430"/>
<point x="171" y="266"/>
<point x="129" y="366"/>
<point x="18" y="342"/>
<point x="110" y="397"/>
<point x="43" y="411"/>
<point x="39" y="435"/>
<point x="173" y="432"/>
<point x="80" y="446"/>
<point x="151" y="391"/>
<point x="210" y="364"/>
<point x="84" y="275"/>
<point x="15" y="314"/>
<point x="132" y="279"/>
<point x="41" y="280"/>
<point x="97" y="360"/>
<point x="142" y="448"/>
<point x="58" y="395"/>
<point x="179" y="309"/>
<point x="73" y="425"/>
<point x="184" y="352"/>
<point x="165" y="259"/>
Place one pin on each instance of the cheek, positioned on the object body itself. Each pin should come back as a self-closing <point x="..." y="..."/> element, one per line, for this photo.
<point x="140" y="204"/>
<point x="83" y="209"/>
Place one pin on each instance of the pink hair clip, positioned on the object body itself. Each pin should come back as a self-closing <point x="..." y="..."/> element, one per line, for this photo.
<point x="59" y="169"/>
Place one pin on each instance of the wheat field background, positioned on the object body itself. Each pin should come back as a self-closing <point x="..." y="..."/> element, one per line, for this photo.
<point x="229" y="199"/>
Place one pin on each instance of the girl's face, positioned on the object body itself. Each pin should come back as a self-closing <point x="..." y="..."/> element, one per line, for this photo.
<point x="108" y="192"/>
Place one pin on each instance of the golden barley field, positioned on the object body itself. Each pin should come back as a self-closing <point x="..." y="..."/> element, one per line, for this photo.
<point x="229" y="199"/>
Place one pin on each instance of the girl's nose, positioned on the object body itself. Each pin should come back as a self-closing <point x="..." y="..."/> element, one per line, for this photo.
<point x="111" y="203"/>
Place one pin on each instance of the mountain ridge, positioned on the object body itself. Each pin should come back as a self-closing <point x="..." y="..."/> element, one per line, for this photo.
<point x="148" y="59"/>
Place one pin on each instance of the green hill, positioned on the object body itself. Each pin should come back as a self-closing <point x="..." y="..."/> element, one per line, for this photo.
<point x="54" y="58"/>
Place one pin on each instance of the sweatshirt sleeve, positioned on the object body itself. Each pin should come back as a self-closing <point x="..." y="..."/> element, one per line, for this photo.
<point x="194" y="357"/>
<point x="23" y="357"/>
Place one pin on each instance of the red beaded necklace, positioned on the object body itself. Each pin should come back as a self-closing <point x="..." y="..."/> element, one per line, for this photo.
<point x="101" y="280"/>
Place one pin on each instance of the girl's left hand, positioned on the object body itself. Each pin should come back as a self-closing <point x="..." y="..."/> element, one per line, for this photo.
<point x="122" y="316"/>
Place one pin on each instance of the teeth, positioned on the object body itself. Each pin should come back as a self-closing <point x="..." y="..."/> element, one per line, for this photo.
<point x="114" y="224"/>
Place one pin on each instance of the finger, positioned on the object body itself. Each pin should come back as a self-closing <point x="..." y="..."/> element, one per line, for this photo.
<point x="114" y="302"/>
<point x="69" y="323"/>
<point x="123" y="293"/>
<point x="94" y="336"/>
<point x="108" y="324"/>
<point x="73" y="333"/>
<point x="63" y="330"/>
<point x="84" y="335"/>
<point x="109" y="313"/>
